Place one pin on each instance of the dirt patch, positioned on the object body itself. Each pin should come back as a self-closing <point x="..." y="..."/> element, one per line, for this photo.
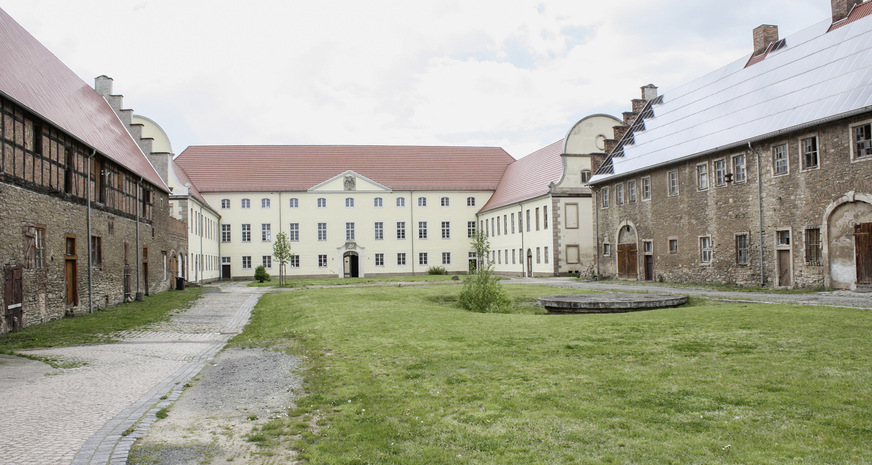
<point x="240" y="390"/>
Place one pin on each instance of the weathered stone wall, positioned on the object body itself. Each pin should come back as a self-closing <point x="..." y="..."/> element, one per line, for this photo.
<point x="792" y="202"/>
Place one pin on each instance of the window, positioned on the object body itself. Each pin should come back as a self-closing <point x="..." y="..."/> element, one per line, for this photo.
<point x="422" y="230"/>
<point x="446" y="258"/>
<point x="507" y="256"/>
<point x="267" y="261"/>
<point x="705" y="249"/>
<point x="538" y="256"/>
<point x="401" y="259"/>
<point x="619" y="195"/>
<point x="444" y="201"/>
<point x="673" y="245"/>
<point x="246" y="203"/>
<point x="322" y="231"/>
<point x="514" y="256"/>
<point x="225" y="233"/>
<point x="813" y="246"/>
<point x="528" y="219"/>
<point x="322" y="202"/>
<point x="739" y="174"/>
<point x="702" y="177"/>
<point x="246" y="262"/>
<point x="265" y="232"/>
<point x="491" y="227"/>
<point x="513" y="223"/>
<point x="646" y="188"/>
<point x="295" y="261"/>
<point x="779" y="159"/>
<point x="401" y="229"/>
<point x="537" y="218"/>
<point x="349" y="231"/>
<point x="422" y="258"/>
<point x="862" y="141"/>
<point x="294" y="203"/>
<point x="96" y="251"/>
<point x="379" y="259"/>
<point x="497" y="229"/>
<point x="545" y="217"/>
<point x="631" y="191"/>
<point x="505" y="224"/>
<point x="246" y="233"/>
<point x="401" y="201"/>
<point x="607" y="249"/>
<point x="264" y="203"/>
<point x="294" y="234"/>
<point x="422" y="201"/>
<point x="470" y="228"/>
<point x="446" y="230"/>
<point x="377" y="202"/>
<point x="672" y="182"/>
<point x="470" y="201"/>
<point x="720" y="173"/>
<point x="782" y="238"/>
<point x="604" y="193"/>
<point x="546" y="254"/>
<point x="225" y="203"/>
<point x="742" y="249"/>
<point x="585" y="176"/>
<point x="809" y="149"/>
<point x="379" y="230"/>
<point x="322" y="261"/>
<point x="349" y="202"/>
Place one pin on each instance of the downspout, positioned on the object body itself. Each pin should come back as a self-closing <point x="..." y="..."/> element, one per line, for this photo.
<point x="138" y="265"/>
<point x="412" y="228"/>
<point x="596" y="253"/>
<point x="760" y="212"/>
<point x="90" y="246"/>
<point x="281" y="265"/>
<point x="202" y="267"/>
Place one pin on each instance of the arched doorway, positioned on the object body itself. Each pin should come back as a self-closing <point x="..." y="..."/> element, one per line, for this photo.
<point x="351" y="265"/>
<point x="847" y="241"/>
<point x="627" y="268"/>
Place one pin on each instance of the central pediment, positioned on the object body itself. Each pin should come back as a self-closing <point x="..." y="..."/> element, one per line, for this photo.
<point x="349" y="181"/>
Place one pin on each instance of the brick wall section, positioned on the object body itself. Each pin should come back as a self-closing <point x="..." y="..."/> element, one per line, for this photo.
<point x="794" y="201"/>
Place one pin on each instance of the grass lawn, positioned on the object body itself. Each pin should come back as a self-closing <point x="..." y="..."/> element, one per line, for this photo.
<point x="402" y="375"/>
<point x="101" y="325"/>
<point x="307" y="282"/>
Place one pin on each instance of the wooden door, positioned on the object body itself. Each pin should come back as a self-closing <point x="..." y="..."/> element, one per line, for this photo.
<point x="128" y="291"/>
<point x="14" y="286"/>
<point x="71" y="278"/>
<point x="649" y="268"/>
<point x="784" y="278"/>
<point x="627" y="261"/>
<point x="529" y="263"/>
<point x="863" y="251"/>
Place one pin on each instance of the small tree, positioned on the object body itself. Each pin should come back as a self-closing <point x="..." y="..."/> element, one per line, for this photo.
<point x="482" y="291"/>
<point x="260" y="274"/>
<point x="282" y="252"/>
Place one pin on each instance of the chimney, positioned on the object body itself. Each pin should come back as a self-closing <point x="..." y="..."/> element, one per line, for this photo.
<point x="103" y="85"/>
<point x="764" y="35"/>
<point x="841" y="8"/>
<point x="649" y="92"/>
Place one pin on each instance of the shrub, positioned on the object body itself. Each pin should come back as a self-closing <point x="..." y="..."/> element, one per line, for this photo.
<point x="482" y="291"/>
<point x="260" y="274"/>
<point x="437" y="270"/>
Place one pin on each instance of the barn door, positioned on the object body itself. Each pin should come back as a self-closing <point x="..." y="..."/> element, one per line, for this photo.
<point x="14" y="285"/>
<point x="784" y="278"/>
<point x="627" y="261"/>
<point x="863" y="250"/>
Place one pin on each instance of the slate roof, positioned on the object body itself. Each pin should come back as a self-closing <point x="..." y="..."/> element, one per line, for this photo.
<point x="528" y="177"/>
<point x="33" y="77"/>
<point x="815" y="76"/>
<point x="270" y="168"/>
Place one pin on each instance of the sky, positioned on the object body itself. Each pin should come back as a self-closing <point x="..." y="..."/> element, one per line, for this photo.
<point x="515" y="74"/>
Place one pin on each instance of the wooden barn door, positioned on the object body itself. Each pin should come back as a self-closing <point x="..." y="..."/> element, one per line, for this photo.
<point x="863" y="250"/>
<point x="784" y="278"/>
<point x="627" y="261"/>
<point x="14" y="286"/>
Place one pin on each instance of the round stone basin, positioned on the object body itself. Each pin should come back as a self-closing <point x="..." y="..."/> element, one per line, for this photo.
<point x="609" y="302"/>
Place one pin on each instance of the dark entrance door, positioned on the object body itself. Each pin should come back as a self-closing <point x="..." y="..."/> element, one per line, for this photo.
<point x="128" y="291"/>
<point x="529" y="263"/>
<point x="627" y="261"/>
<point x="784" y="278"/>
<point x="649" y="268"/>
<point x="863" y="250"/>
<point x="225" y="271"/>
<point x="14" y="310"/>
<point x="351" y="268"/>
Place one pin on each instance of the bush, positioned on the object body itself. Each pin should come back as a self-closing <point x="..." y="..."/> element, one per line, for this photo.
<point x="437" y="270"/>
<point x="482" y="291"/>
<point x="260" y="274"/>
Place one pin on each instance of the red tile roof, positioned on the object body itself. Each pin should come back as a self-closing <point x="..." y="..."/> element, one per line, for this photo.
<point x="37" y="80"/>
<point x="185" y="180"/>
<point x="859" y="11"/>
<point x="528" y="177"/>
<point x="299" y="167"/>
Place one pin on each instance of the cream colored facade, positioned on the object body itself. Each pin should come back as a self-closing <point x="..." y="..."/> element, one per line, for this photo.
<point x="347" y="226"/>
<point x="201" y="263"/>
<point x="552" y="233"/>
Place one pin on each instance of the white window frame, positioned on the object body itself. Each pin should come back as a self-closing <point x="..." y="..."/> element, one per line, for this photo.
<point x="470" y="201"/>
<point x="706" y="250"/>
<point x="743" y="259"/>
<point x="445" y="202"/>
<point x="740" y="170"/>
<point x="377" y="202"/>
<point x="867" y="149"/>
<point x="422" y="201"/>
<point x="619" y="194"/>
<point x="803" y="166"/>
<point x="673" y="187"/>
<point x="604" y="203"/>
<point x="401" y="202"/>
<point x="778" y="160"/>
<point x="322" y="202"/>
<point x="720" y="174"/>
<point x="702" y="181"/>
<point x="293" y="202"/>
<point x="646" y="188"/>
<point x="631" y="191"/>
<point x="379" y="230"/>
<point x="349" y="202"/>
<point x="294" y="232"/>
<point x="265" y="203"/>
